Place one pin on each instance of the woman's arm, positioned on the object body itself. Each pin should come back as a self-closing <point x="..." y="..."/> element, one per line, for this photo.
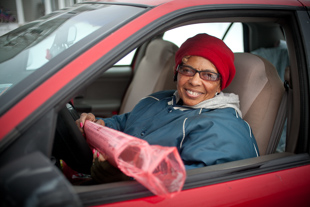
<point x="218" y="141"/>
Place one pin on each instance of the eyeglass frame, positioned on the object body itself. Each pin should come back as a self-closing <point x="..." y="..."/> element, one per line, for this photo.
<point x="199" y="72"/>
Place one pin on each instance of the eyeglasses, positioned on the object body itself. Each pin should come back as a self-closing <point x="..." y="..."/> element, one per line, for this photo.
<point x="204" y="74"/>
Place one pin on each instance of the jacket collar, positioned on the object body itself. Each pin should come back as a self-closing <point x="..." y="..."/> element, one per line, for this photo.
<point x="223" y="100"/>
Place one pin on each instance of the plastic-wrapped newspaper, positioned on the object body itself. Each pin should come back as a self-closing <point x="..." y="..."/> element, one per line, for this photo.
<point x="158" y="168"/>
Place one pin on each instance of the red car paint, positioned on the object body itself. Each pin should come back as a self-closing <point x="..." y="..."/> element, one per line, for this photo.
<point x="262" y="190"/>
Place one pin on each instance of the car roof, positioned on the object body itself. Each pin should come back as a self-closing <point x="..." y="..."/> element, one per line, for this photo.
<point x="204" y="2"/>
<point x="143" y="2"/>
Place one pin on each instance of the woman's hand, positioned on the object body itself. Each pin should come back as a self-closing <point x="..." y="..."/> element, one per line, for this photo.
<point x="87" y="116"/>
<point x="97" y="154"/>
<point x="103" y="172"/>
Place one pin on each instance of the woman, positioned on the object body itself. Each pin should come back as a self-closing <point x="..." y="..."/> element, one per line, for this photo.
<point x="204" y="123"/>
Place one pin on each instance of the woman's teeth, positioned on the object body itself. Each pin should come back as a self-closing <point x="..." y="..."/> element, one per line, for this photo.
<point x="193" y="93"/>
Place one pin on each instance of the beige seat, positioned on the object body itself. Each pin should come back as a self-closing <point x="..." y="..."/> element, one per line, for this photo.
<point x="154" y="73"/>
<point x="260" y="90"/>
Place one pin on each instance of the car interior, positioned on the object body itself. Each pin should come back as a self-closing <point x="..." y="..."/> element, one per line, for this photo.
<point x="257" y="81"/>
<point x="264" y="84"/>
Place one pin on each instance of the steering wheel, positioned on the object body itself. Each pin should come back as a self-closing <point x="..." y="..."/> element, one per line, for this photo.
<point x="69" y="143"/>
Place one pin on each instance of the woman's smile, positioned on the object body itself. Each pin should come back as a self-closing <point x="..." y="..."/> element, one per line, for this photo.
<point x="192" y="94"/>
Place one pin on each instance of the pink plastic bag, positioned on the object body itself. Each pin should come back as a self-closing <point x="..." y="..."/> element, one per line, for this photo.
<point x="158" y="168"/>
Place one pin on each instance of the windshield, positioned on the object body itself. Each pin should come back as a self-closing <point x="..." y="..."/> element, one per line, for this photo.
<point x="31" y="46"/>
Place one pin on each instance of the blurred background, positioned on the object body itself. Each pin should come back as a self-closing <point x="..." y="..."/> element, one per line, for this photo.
<point x="14" y="13"/>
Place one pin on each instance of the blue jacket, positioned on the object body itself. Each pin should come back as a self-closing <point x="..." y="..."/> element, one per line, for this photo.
<point x="203" y="135"/>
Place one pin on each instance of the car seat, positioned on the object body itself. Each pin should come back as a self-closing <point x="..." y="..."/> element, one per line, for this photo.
<point x="154" y="73"/>
<point x="260" y="90"/>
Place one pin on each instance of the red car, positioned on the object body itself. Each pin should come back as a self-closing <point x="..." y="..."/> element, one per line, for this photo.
<point x="101" y="56"/>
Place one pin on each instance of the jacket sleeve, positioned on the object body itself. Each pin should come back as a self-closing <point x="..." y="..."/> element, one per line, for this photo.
<point x="213" y="142"/>
<point x="117" y="122"/>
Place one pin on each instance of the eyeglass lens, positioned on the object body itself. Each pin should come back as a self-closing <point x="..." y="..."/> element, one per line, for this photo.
<point x="205" y="75"/>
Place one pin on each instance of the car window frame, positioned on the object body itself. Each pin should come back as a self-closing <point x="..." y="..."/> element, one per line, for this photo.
<point x="299" y="160"/>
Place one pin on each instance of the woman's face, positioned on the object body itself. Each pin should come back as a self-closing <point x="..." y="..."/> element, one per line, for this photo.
<point x="193" y="90"/>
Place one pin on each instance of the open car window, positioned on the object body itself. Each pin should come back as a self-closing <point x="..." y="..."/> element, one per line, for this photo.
<point x="233" y="36"/>
<point x="230" y="33"/>
<point x="235" y="39"/>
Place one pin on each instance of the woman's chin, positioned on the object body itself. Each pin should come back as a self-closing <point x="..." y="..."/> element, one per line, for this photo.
<point x="191" y="102"/>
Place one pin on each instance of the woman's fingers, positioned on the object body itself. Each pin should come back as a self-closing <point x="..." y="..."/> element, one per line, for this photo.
<point x="81" y="121"/>
<point x="104" y="172"/>
<point x="101" y="122"/>
<point x="97" y="154"/>
<point x="85" y="116"/>
<point x="79" y="125"/>
<point x="101" y="158"/>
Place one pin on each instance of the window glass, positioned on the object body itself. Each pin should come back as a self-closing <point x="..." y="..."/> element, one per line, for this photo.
<point x="72" y="35"/>
<point x="127" y="60"/>
<point x="234" y="37"/>
<point x="31" y="46"/>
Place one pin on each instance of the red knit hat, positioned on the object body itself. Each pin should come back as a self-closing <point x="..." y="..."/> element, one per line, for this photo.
<point x="213" y="49"/>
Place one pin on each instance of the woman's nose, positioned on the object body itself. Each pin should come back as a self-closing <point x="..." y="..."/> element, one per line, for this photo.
<point x="195" y="80"/>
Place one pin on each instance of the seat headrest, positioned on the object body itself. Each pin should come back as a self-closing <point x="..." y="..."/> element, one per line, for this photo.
<point x="154" y="73"/>
<point x="157" y="50"/>
<point x="249" y="80"/>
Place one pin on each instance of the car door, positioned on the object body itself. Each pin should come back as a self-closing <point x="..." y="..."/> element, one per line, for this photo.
<point x="256" y="181"/>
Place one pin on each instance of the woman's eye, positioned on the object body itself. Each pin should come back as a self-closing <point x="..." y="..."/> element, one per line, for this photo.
<point x="186" y="70"/>
<point x="209" y="76"/>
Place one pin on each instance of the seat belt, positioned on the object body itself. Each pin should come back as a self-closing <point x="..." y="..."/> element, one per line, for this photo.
<point x="283" y="113"/>
<point x="291" y="139"/>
